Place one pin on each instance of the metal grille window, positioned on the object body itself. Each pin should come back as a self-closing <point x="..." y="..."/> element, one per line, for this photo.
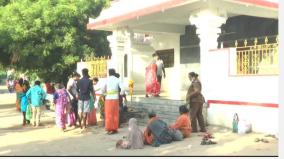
<point x="257" y="59"/>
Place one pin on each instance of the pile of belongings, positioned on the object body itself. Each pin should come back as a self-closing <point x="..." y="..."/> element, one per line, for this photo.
<point x="206" y="140"/>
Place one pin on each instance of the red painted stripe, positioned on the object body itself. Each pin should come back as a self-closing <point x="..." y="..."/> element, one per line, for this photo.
<point x="261" y="3"/>
<point x="134" y="14"/>
<point x="221" y="49"/>
<point x="271" y="105"/>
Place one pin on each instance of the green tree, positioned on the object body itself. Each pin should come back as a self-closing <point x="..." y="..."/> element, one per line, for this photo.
<point x="48" y="37"/>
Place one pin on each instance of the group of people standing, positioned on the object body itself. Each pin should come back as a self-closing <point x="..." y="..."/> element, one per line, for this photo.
<point x="75" y="104"/>
<point x="29" y="99"/>
<point x="87" y="95"/>
<point x="78" y="101"/>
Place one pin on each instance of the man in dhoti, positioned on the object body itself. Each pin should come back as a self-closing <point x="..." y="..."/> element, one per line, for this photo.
<point x="111" y="90"/>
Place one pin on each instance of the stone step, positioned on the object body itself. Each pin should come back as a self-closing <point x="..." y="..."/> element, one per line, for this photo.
<point x="166" y="109"/>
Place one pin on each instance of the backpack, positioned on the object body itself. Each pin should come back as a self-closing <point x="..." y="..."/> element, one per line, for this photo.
<point x="62" y="97"/>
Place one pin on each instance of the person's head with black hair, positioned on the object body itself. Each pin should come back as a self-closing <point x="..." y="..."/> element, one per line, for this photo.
<point x="76" y="76"/>
<point x="85" y="72"/>
<point x="111" y="72"/>
<point x="183" y="109"/>
<point x="59" y="85"/>
<point x="117" y="75"/>
<point x="95" y="80"/>
<point x="155" y="56"/>
<point x="192" y="76"/>
<point x="37" y="83"/>
<point x="27" y="85"/>
<point x="152" y="114"/>
<point x="21" y="81"/>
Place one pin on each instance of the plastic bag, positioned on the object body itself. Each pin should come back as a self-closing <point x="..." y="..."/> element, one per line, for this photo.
<point x="244" y="127"/>
<point x="29" y="112"/>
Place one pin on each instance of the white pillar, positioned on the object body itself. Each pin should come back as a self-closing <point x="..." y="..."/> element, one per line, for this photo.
<point x="208" y="25"/>
<point x="117" y="44"/>
<point x="120" y="44"/>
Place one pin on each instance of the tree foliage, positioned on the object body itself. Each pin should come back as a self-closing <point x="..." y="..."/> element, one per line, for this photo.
<point x="48" y="37"/>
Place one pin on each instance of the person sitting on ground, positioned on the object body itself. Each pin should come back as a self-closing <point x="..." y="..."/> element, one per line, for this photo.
<point x="134" y="139"/>
<point x="157" y="132"/>
<point x="183" y="123"/>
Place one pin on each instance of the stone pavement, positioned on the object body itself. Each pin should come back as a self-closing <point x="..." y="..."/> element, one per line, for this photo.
<point x="47" y="140"/>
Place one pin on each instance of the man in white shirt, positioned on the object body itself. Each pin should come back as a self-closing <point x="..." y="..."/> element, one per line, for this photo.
<point x="111" y="89"/>
<point x="160" y="69"/>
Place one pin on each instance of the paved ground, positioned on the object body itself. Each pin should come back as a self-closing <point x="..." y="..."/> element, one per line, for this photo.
<point x="47" y="140"/>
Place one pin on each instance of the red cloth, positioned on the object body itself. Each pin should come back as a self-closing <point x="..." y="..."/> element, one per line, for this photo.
<point x="148" y="137"/>
<point x="111" y="114"/>
<point x="92" y="117"/>
<point x="49" y="89"/>
<point x="151" y="81"/>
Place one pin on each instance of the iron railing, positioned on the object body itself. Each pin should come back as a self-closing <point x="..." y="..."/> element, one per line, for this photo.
<point x="97" y="66"/>
<point x="257" y="59"/>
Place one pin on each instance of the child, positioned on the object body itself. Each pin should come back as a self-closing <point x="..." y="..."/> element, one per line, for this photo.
<point x="134" y="139"/>
<point x="24" y="102"/>
<point x="61" y="100"/>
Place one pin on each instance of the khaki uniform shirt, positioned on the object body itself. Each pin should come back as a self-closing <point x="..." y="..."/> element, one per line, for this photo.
<point x="196" y="97"/>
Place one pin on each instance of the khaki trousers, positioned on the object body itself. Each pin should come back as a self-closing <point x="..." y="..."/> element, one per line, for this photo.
<point x="36" y="116"/>
<point x="196" y="114"/>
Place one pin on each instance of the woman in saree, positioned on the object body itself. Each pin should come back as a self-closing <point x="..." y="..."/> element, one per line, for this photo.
<point x="19" y="92"/>
<point x="92" y="116"/>
<point x="151" y="80"/>
<point x="24" y="102"/>
<point x="61" y="100"/>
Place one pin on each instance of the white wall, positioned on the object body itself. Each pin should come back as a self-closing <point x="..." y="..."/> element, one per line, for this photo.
<point x="218" y="85"/>
<point x="142" y="56"/>
<point x="172" y="83"/>
<point x="176" y="82"/>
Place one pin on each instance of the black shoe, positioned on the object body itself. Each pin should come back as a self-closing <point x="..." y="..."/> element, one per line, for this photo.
<point x="146" y="96"/>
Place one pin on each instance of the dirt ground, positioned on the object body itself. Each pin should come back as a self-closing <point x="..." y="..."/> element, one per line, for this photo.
<point x="47" y="140"/>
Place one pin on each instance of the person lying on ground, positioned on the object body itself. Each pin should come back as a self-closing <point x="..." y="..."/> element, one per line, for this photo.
<point x="158" y="132"/>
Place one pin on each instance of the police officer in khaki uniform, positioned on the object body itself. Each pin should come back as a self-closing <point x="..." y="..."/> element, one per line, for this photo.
<point x="195" y="100"/>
